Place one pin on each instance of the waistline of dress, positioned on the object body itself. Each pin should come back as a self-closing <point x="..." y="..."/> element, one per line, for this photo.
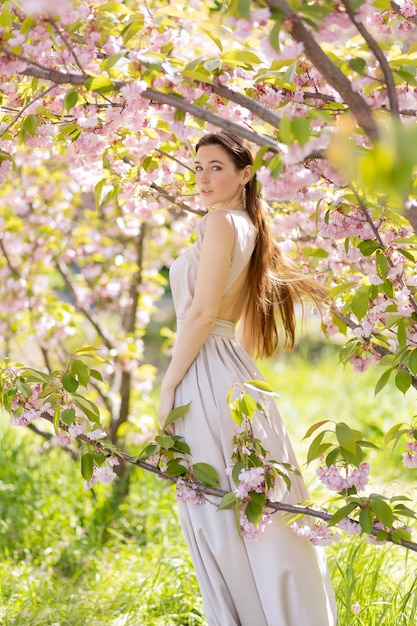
<point x="221" y="328"/>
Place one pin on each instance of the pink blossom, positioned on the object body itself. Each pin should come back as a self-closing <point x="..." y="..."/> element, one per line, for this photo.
<point x="250" y="479"/>
<point x="353" y="528"/>
<point x="76" y="429"/>
<point x="408" y="8"/>
<point x="101" y="474"/>
<point x="64" y="438"/>
<point x="45" y="6"/>
<point x="335" y="480"/>
<point x="410" y="457"/>
<point x="98" y="433"/>
<point x="186" y="491"/>
<point x="356" y="608"/>
<point x="319" y="534"/>
<point x="251" y="531"/>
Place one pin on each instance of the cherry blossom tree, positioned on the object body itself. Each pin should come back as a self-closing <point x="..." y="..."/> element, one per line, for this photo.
<point x="101" y="104"/>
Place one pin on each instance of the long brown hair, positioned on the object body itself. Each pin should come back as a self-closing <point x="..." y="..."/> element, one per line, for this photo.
<point x="275" y="281"/>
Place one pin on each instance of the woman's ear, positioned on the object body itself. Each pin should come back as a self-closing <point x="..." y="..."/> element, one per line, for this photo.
<point x="246" y="174"/>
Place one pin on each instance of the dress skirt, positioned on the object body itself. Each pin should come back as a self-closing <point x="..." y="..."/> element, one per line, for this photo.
<point x="280" y="579"/>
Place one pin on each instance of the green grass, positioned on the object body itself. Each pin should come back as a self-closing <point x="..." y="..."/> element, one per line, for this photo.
<point x="68" y="559"/>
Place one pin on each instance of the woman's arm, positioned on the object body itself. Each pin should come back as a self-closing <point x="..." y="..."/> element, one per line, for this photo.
<point x="213" y="271"/>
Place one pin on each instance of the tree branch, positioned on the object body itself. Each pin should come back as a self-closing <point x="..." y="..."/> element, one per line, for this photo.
<point x="10" y="265"/>
<point x="177" y="102"/>
<point x="129" y="326"/>
<point x="296" y="509"/>
<point x="172" y="199"/>
<point x="334" y="76"/>
<point x="248" y="103"/>
<point x="379" y="55"/>
<point x="87" y="314"/>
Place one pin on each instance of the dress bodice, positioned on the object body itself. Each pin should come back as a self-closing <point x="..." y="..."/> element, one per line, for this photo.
<point x="183" y="271"/>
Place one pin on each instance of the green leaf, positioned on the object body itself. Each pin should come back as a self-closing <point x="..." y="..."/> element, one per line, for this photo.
<point x="114" y="7"/>
<point x="242" y="58"/>
<point x="70" y="100"/>
<point x="341" y="513"/>
<point x="206" y="474"/>
<point x="381" y="264"/>
<point x="30" y="124"/>
<point x="101" y="84"/>
<point x="403" y="380"/>
<point x="301" y="129"/>
<point x="96" y="374"/>
<point x="244" y="9"/>
<point x="315" y="447"/>
<point x="175" y="469"/>
<point x="254" y="512"/>
<point x="56" y="420"/>
<point x="176" y="413"/>
<point x="382" y="381"/>
<point x="346" y="437"/>
<point x="6" y="19"/>
<point x="112" y="60"/>
<point x="382" y="511"/>
<point x="214" y="37"/>
<point x="368" y="246"/>
<point x="332" y="456"/>
<point x="358" y="65"/>
<point x="365" y="520"/>
<point x="314" y="427"/>
<point x="396" y="432"/>
<point x="81" y="371"/>
<point x="260" y="385"/>
<point x="412" y="361"/>
<point x="247" y="405"/>
<point x="68" y="416"/>
<point x="228" y="501"/>
<point x="87" y="466"/>
<point x="360" y="302"/>
<point x="237" y="468"/>
<point x="87" y="407"/>
<point x="98" y="458"/>
<point x="401" y="333"/>
<point x="165" y="441"/>
<point x="148" y="451"/>
<point x="181" y="446"/>
<point x="69" y="382"/>
<point x="355" y="458"/>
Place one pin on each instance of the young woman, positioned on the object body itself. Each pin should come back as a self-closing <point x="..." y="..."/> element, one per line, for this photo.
<point x="234" y="273"/>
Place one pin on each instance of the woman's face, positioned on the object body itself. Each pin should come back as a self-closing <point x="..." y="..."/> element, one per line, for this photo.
<point x="219" y="183"/>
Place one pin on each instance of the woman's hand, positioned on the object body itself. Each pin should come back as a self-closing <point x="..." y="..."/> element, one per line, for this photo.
<point x="166" y="404"/>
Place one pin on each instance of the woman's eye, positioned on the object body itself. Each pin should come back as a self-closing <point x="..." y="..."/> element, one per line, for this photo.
<point x="198" y="168"/>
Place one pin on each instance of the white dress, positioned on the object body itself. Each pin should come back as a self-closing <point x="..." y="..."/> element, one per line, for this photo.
<point x="280" y="579"/>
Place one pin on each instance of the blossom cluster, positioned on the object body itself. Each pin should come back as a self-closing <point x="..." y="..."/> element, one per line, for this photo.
<point x="410" y="457"/>
<point x="188" y="491"/>
<point x="319" y="533"/>
<point x="342" y="477"/>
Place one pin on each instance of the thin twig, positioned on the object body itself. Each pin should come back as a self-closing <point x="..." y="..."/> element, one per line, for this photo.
<point x="21" y="111"/>
<point x="87" y="314"/>
<point x="68" y="46"/>
<point x="10" y="265"/>
<point x="173" y="200"/>
<point x="379" y="55"/>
